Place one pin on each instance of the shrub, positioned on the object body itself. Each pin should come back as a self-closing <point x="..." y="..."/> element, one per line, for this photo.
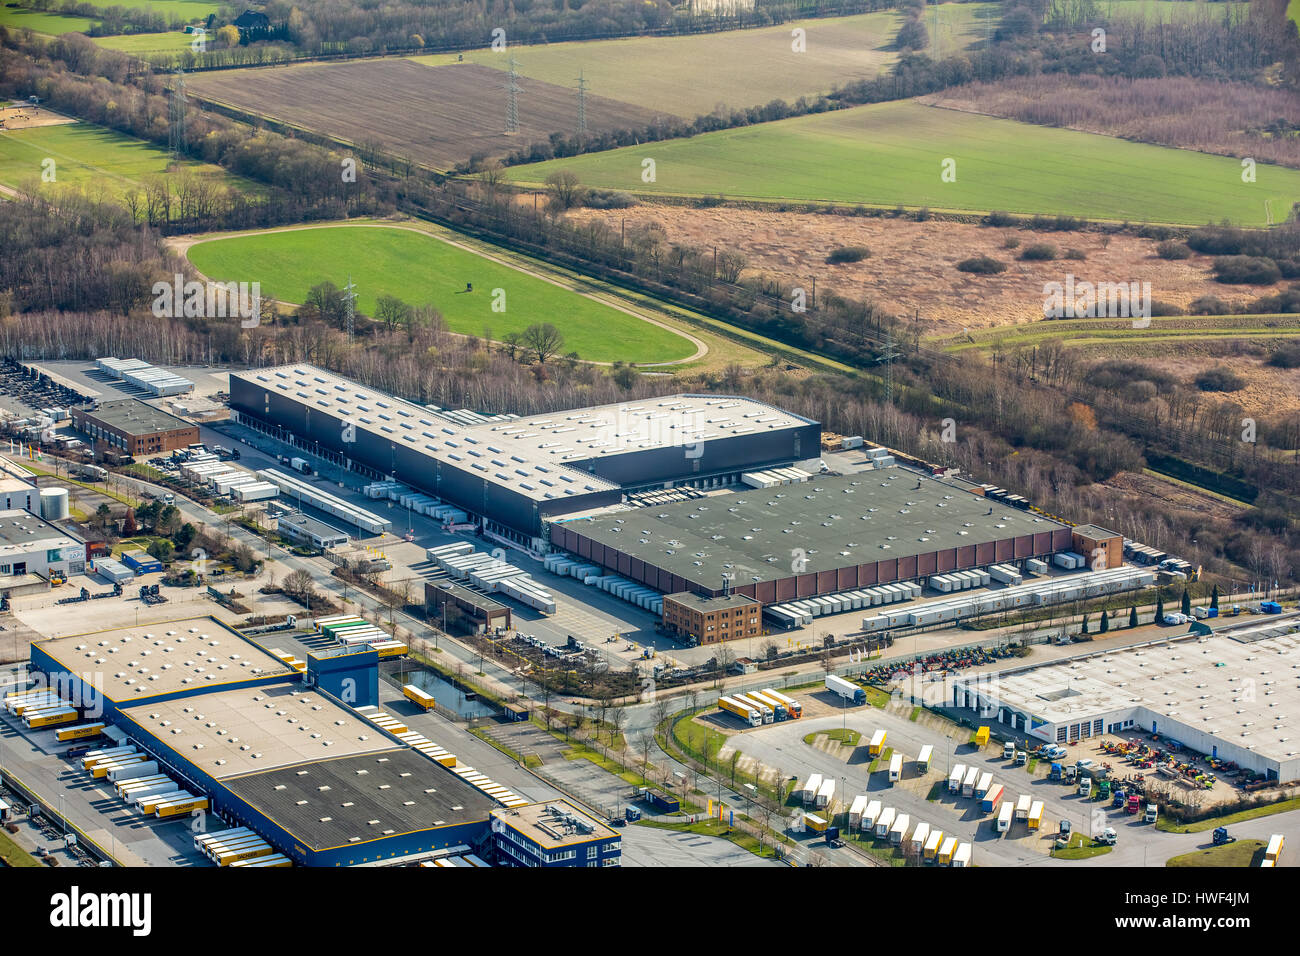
<point x="1173" y="249"/>
<point x="1208" y="305"/>
<point x="1164" y="308"/>
<point x="708" y="202"/>
<point x="1011" y="242"/>
<point x="1000" y="219"/>
<point x="1219" y="380"/>
<point x="848" y="254"/>
<point x="982" y="265"/>
<point x="1039" y="251"/>
<point x="608" y="199"/>
<point x="1288" y="300"/>
<point x="1246" y="270"/>
<point x="1076" y="254"/>
<point x="1286" y="356"/>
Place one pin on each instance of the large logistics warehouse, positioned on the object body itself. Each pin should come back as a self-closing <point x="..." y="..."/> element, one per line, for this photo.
<point x="1228" y="695"/>
<point x="224" y="718"/>
<point x="830" y="534"/>
<point x="515" y="473"/>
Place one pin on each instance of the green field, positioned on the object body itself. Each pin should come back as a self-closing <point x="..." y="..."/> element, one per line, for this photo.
<point x="420" y="269"/>
<point x="188" y="9"/>
<point x="1163" y="11"/>
<point x="690" y="75"/>
<point x="1163" y="333"/>
<point x="1293" y="11"/>
<point x="86" y="155"/>
<point x="54" y="24"/>
<point x="892" y="153"/>
<point x="142" y="43"/>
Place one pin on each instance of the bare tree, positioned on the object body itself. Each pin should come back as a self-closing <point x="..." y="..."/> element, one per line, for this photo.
<point x="542" y="340"/>
<point x="617" y="718"/>
<point x="566" y="192"/>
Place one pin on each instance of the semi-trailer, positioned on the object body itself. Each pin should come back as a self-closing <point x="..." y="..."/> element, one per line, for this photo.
<point x="1005" y="816"/>
<point x="855" y="810"/>
<point x="808" y="795"/>
<point x="144" y="768"/>
<point x="961" y="856"/>
<point x="769" y="714"/>
<point x="989" y="802"/>
<point x="946" y="851"/>
<point x="1035" y="818"/>
<point x="923" y="759"/>
<point x="1023" y="805"/>
<point x="79" y="732"/>
<point x="814" y="822"/>
<point x="985" y="783"/>
<point x="898" y="829"/>
<point x="871" y="815"/>
<point x="842" y="688"/>
<point x="826" y="793"/>
<point x="956" y="777"/>
<point x="884" y="822"/>
<point x="896" y="768"/>
<point x="418" y="697"/>
<point x="778" y="708"/>
<point x="932" y="844"/>
<point x="1274" y="849"/>
<point x="877" y="744"/>
<point x="746" y="712"/>
<point x="187" y="803"/>
<point x="968" y="782"/>
<point x="917" y="842"/>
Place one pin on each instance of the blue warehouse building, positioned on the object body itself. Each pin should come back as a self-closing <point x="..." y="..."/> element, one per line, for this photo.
<point x="290" y="761"/>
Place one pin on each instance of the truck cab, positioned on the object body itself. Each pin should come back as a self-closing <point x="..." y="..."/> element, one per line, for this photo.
<point x="1152" y="812"/>
<point x="1008" y="750"/>
<point x="1065" y="830"/>
<point x="1022" y="758"/>
<point x="1108" y="836"/>
<point x="1085" y="787"/>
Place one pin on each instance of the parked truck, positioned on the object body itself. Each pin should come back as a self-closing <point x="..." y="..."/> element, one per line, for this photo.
<point x="781" y="711"/>
<point x="896" y="768"/>
<point x="792" y="706"/>
<point x="846" y="690"/>
<point x="746" y="712"/>
<point x="300" y="464"/>
<point x="808" y="795"/>
<point x="760" y="705"/>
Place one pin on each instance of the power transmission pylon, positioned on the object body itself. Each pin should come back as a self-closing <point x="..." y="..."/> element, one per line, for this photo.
<point x="582" y="105"/>
<point x="176" y="139"/>
<point x="512" y="104"/>
<point x="349" y="309"/>
<point x="887" y="357"/>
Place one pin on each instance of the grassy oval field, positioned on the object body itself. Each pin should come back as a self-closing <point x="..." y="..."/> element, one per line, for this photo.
<point x="897" y="153"/>
<point x="420" y="269"/>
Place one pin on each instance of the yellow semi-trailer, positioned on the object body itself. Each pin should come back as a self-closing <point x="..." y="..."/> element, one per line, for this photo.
<point x="778" y="708"/>
<point x="877" y="743"/>
<point x="792" y="706"/>
<point x="762" y="706"/>
<point x="250" y="853"/>
<point x="746" y="712"/>
<point x="235" y="849"/>
<point x="389" y="649"/>
<point x="51" y="718"/>
<point x="1036" y="815"/>
<point x="946" y="851"/>
<point x="418" y="697"/>
<point x="1274" y="850"/>
<point x="279" y="859"/>
<point x="79" y="732"/>
<point x="932" y="844"/>
<point x="177" y="807"/>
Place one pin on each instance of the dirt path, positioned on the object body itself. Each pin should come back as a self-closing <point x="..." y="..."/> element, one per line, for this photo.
<point x="182" y="244"/>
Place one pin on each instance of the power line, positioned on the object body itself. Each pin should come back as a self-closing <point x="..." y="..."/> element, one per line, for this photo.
<point x="582" y="105"/>
<point x="176" y="138"/>
<point x="512" y="103"/>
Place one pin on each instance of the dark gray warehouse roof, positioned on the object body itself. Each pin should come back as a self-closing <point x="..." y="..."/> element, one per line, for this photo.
<point x="332" y="803"/>
<point x="135" y="417"/>
<point x="819" y="525"/>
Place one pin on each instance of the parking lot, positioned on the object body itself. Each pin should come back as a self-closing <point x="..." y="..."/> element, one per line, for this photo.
<point x="781" y="746"/>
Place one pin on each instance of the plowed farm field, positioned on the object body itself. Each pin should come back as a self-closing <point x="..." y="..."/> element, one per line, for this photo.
<point x="434" y="116"/>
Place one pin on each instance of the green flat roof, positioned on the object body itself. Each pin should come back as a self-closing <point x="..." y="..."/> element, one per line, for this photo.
<point x="825" y="523"/>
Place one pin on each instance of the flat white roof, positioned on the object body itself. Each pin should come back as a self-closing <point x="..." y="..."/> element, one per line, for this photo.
<point x="1244" y="692"/>
<point x="534" y="456"/>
